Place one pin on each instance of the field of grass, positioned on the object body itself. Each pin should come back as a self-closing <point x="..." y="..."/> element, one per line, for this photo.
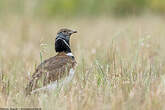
<point x="121" y="63"/>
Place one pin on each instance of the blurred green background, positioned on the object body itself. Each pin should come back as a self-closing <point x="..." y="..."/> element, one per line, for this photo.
<point x="55" y="8"/>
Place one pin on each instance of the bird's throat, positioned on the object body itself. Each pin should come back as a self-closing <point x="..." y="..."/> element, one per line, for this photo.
<point x="62" y="45"/>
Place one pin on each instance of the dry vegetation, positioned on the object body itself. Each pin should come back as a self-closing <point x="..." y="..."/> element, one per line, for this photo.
<point x="121" y="63"/>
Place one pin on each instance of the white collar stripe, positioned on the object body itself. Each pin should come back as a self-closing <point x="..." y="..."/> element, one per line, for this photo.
<point x="69" y="54"/>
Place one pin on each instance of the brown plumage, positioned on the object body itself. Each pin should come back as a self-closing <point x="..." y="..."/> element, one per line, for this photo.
<point x="54" y="68"/>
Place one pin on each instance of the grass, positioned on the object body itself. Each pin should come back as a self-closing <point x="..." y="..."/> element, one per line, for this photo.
<point x="121" y="63"/>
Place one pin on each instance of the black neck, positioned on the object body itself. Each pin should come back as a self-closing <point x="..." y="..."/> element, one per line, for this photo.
<point x="62" y="44"/>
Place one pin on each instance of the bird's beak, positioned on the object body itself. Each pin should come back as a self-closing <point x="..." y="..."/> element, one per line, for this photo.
<point x="72" y="32"/>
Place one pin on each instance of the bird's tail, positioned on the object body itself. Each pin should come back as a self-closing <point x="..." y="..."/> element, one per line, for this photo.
<point x="32" y="83"/>
<point x="29" y="87"/>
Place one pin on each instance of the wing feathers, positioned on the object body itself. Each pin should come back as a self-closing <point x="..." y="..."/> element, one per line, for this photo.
<point x="51" y="70"/>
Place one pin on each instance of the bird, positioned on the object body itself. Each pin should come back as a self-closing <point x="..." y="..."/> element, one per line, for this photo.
<point x="57" y="70"/>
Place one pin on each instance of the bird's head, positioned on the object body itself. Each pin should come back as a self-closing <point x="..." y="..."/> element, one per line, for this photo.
<point x="66" y="32"/>
<point x="62" y="39"/>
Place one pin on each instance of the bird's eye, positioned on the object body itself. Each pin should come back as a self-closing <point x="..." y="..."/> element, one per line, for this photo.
<point x="65" y="32"/>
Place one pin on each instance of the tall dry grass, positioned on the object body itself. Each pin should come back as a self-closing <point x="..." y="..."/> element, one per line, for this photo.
<point x="121" y="63"/>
